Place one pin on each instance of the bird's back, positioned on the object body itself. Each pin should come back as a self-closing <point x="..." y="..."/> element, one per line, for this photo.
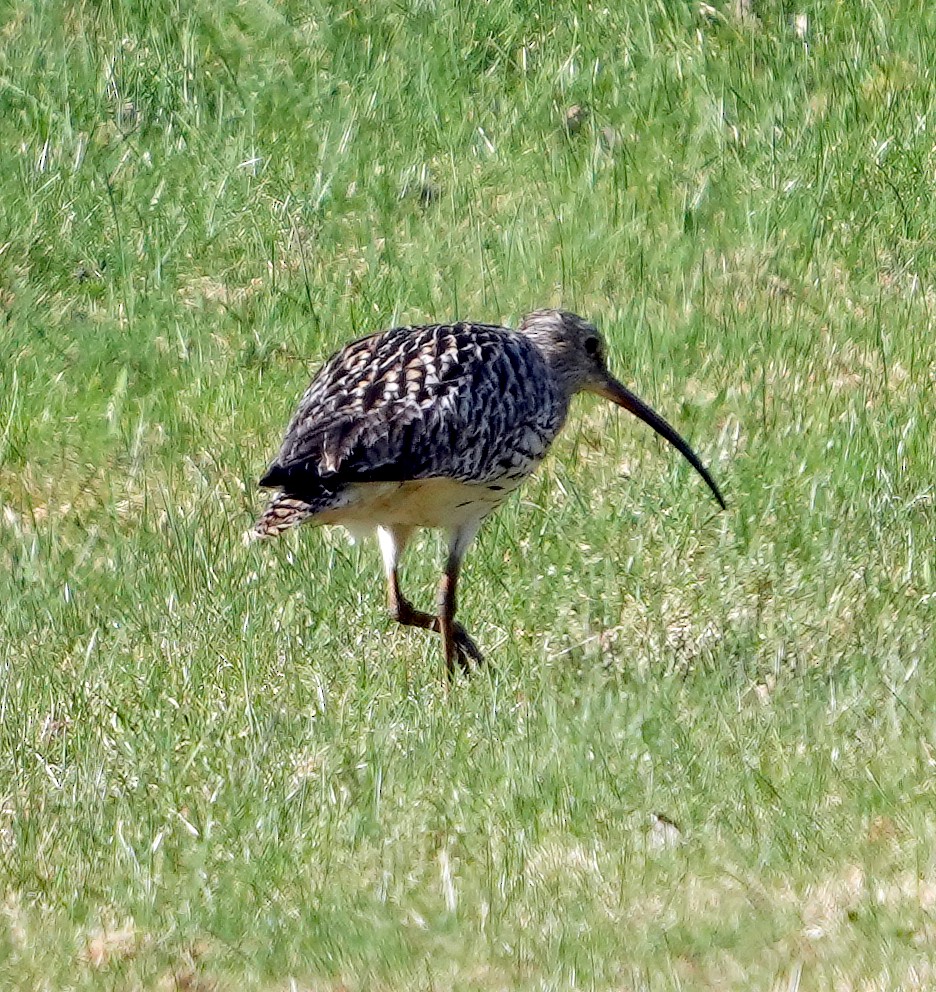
<point x="471" y="402"/>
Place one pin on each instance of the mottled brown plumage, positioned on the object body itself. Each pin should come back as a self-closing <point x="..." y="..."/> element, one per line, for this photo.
<point x="435" y="426"/>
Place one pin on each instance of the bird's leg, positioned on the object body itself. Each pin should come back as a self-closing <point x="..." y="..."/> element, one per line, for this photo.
<point x="458" y="645"/>
<point x="393" y="541"/>
<point x="455" y="640"/>
<point x="403" y="611"/>
<point x="447" y="618"/>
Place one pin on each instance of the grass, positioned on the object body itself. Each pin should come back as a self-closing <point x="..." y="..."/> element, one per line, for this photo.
<point x="705" y="755"/>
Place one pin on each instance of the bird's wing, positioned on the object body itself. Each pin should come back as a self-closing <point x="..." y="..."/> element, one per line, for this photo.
<point x="417" y="402"/>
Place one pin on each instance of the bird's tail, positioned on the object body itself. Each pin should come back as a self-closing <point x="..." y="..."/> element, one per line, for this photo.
<point x="282" y="512"/>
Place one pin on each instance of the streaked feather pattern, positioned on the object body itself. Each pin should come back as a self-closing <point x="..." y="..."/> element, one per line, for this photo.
<point x="282" y="512"/>
<point x="471" y="402"/>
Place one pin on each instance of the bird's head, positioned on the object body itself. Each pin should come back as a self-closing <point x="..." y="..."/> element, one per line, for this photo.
<point x="574" y="351"/>
<point x="572" y="347"/>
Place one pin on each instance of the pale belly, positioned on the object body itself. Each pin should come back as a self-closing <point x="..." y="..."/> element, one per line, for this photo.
<point x="439" y="502"/>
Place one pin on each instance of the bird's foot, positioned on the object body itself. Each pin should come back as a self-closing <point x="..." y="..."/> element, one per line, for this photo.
<point x="467" y="652"/>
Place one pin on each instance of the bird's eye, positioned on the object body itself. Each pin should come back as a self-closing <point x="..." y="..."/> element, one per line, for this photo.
<point x="592" y="346"/>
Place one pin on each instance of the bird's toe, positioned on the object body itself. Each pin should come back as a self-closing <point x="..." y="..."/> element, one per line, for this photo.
<point x="468" y="653"/>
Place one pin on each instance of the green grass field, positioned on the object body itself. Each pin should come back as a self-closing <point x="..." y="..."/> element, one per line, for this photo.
<point x="705" y="754"/>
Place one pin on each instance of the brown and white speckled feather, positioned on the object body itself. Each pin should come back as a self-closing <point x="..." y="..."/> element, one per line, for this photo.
<point x="282" y="512"/>
<point x="464" y="401"/>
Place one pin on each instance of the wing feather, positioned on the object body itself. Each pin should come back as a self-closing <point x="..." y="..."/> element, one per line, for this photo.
<point x="417" y="402"/>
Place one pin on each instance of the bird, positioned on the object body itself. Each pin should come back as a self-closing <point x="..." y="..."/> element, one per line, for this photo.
<point x="434" y="426"/>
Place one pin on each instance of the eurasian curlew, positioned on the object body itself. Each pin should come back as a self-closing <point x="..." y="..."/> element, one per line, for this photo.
<point x="436" y="426"/>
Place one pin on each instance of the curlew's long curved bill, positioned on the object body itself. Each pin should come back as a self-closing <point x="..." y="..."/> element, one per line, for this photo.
<point x="620" y="394"/>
